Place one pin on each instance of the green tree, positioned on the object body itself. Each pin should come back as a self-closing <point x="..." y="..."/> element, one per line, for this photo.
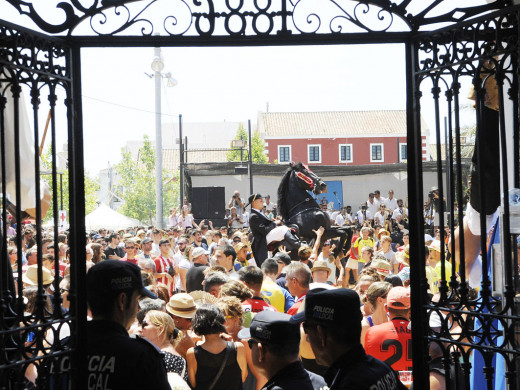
<point x="257" y="147"/>
<point x="138" y="185"/>
<point x="91" y="187"/>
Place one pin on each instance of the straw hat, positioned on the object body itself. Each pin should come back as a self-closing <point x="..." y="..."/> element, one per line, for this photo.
<point x="320" y="265"/>
<point x="182" y="305"/>
<point x="435" y="245"/>
<point x="240" y="246"/>
<point x="201" y="297"/>
<point x="30" y="277"/>
<point x="381" y="232"/>
<point x="382" y="266"/>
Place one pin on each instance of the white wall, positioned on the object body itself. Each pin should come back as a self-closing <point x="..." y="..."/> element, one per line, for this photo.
<point x="355" y="188"/>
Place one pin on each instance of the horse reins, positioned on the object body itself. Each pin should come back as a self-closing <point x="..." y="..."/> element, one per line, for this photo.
<point x="297" y="204"/>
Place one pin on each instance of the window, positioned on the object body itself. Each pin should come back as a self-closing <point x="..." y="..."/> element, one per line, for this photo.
<point x="345" y="153"/>
<point x="377" y="153"/>
<point x="284" y="153"/>
<point x="403" y="152"/>
<point x="314" y="153"/>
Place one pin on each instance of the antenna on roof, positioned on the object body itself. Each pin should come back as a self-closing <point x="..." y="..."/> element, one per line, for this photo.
<point x="266" y="106"/>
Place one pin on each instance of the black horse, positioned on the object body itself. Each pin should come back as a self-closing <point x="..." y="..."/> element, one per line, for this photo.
<point x="298" y="207"/>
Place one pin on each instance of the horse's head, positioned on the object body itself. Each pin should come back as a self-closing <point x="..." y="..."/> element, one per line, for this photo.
<point x="307" y="179"/>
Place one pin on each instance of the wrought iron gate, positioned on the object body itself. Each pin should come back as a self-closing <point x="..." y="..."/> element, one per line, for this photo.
<point x="45" y="72"/>
<point x="37" y="333"/>
<point x="473" y="325"/>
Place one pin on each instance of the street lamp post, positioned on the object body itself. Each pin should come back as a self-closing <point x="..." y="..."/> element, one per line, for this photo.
<point x="239" y="144"/>
<point x="157" y="67"/>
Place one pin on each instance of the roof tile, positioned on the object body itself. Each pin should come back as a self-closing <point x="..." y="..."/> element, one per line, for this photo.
<point x="334" y="123"/>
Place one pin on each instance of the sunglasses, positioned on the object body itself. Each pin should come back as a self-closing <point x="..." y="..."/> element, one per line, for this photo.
<point x="63" y="290"/>
<point x="252" y="342"/>
<point x="144" y="324"/>
<point x="130" y="247"/>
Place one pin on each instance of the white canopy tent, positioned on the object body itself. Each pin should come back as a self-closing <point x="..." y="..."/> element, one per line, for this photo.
<point x="105" y="217"/>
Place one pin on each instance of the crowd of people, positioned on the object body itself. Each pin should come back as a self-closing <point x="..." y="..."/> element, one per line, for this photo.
<point x="219" y="318"/>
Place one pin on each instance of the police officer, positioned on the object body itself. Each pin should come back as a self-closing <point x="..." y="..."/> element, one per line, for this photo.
<point x="114" y="360"/>
<point x="332" y="322"/>
<point x="275" y="346"/>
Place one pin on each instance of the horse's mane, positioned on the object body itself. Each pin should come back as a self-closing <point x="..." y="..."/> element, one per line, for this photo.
<point x="283" y="188"/>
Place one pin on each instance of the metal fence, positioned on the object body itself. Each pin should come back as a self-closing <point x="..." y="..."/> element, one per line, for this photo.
<point x="37" y="328"/>
<point x="471" y="325"/>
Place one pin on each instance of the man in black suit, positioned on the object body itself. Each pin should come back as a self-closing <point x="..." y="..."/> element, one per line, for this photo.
<point x="266" y="231"/>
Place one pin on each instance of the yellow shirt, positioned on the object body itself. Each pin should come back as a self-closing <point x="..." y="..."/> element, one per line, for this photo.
<point x="433" y="279"/>
<point x="273" y="294"/>
<point x="447" y="269"/>
<point x="360" y="244"/>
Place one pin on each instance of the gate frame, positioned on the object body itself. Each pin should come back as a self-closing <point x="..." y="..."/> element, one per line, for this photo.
<point x="283" y="37"/>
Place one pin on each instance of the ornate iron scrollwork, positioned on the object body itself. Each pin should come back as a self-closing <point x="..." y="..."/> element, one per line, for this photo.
<point x="242" y="17"/>
<point x="34" y="328"/>
<point x="480" y="54"/>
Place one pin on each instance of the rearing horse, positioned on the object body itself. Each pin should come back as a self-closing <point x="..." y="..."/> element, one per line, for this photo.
<point x="298" y="207"/>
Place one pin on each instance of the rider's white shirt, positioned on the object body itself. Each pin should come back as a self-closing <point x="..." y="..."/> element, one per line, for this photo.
<point x="277" y="234"/>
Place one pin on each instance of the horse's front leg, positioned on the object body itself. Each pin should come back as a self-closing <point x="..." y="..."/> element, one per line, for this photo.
<point x="343" y="237"/>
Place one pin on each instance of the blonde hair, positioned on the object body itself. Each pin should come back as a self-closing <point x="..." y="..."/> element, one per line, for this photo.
<point x="376" y="290"/>
<point x="235" y="288"/>
<point x="304" y="252"/>
<point x="231" y="307"/>
<point x="385" y="238"/>
<point x="165" y="322"/>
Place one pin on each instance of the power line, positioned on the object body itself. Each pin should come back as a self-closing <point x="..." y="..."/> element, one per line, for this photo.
<point x="127" y="107"/>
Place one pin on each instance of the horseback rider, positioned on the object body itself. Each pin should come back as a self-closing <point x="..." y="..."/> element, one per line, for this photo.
<point x="266" y="231"/>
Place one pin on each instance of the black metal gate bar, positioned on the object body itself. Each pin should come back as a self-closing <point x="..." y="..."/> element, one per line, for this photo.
<point x="416" y="221"/>
<point x="459" y="190"/>
<point x="464" y="51"/>
<point x="436" y="92"/>
<point x="448" y="69"/>
<point x="30" y="61"/>
<point x="77" y="221"/>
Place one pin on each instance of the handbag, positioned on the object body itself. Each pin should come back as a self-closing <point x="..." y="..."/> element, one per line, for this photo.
<point x="224" y="361"/>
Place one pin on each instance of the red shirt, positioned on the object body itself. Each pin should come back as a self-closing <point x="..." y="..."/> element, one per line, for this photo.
<point x="391" y="342"/>
<point x="62" y="268"/>
<point x="294" y="308"/>
<point x="133" y="261"/>
<point x="353" y="252"/>
<point x="162" y="264"/>
<point x="256" y="305"/>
